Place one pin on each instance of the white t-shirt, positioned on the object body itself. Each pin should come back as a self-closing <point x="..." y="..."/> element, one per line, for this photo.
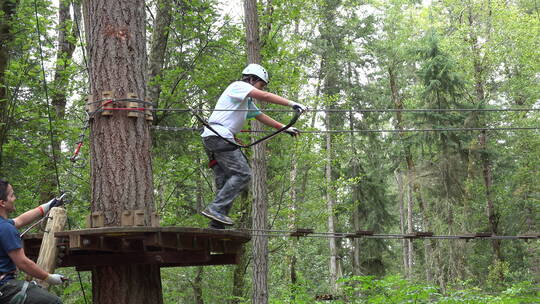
<point x="229" y="123"/>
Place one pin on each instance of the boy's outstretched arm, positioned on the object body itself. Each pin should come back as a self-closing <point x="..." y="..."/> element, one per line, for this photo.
<point x="269" y="121"/>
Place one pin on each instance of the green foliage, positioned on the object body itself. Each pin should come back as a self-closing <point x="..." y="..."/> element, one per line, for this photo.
<point x="327" y="54"/>
<point x="394" y="289"/>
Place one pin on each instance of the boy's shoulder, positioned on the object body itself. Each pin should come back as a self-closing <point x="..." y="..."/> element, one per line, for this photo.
<point x="240" y="84"/>
<point x="6" y="223"/>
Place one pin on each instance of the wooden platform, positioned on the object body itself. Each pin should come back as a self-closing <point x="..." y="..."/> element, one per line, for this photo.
<point x="163" y="246"/>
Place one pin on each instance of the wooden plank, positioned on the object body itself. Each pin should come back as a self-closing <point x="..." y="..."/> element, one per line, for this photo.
<point x="187" y="231"/>
<point x="423" y="233"/>
<point x="133" y="104"/>
<point x="482" y="234"/>
<point x="107" y="96"/>
<point x="127" y="218"/>
<point x="302" y="232"/>
<point x="49" y="250"/>
<point x="160" y="257"/>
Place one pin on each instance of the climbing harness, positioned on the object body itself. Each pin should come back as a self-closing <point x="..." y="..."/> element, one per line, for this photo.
<point x="20" y="296"/>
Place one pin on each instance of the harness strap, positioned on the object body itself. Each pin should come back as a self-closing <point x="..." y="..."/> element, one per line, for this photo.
<point x="20" y="297"/>
<point x="4" y="275"/>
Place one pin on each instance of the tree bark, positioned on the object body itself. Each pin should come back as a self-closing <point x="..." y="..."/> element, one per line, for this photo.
<point x="331" y="201"/>
<point x="197" y="286"/>
<point x="331" y="70"/>
<point x="121" y="170"/>
<point x="241" y="268"/>
<point x="401" y="201"/>
<point x="355" y="200"/>
<point x="410" y="247"/>
<point x="259" y="189"/>
<point x="398" y="104"/>
<point x="292" y="222"/>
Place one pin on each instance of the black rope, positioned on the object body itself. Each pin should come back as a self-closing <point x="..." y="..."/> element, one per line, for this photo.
<point x="297" y="114"/>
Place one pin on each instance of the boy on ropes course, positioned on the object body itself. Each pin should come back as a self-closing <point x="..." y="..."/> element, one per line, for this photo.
<point x="12" y="256"/>
<point x="231" y="170"/>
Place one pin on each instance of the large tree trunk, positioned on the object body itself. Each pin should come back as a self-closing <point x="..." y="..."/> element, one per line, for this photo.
<point x="355" y="200"/>
<point x="479" y="84"/>
<point x="241" y="267"/>
<point x="410" y="203"/>
<point x="293" y="249"/>
<point x="398" y="104"/>
<point x="331" y="70"/>
<point x="401" y="201"/>
<point x="121" y="170"/>
<point x="260" y="208"/>
<point x="331" y="201"/>
<point x="197" y="286"/>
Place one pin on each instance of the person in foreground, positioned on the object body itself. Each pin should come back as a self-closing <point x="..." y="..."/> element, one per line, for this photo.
<point x="231" y="169"/>
<point x="12" y="256"/>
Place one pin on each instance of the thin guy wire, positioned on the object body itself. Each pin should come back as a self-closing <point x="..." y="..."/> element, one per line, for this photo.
<point x="355" y="110"/>
<point x="367" y="130"/>
<point x="275" y="232"/>
<point x="80" y="41"/>
<point x="86" y="126"/>
<point x="436" y="237"/>
<point x="45" y="87"/>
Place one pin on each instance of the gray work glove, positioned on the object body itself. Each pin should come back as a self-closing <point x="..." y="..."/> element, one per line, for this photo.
<point x="292" y="131"/>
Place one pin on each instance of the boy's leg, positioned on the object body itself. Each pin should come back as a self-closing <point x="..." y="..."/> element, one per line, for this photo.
<point x="34" y="293"/>
<point x="233" y="165"/>
<point x="220" y="178"/>
<point x="237" y="169"/>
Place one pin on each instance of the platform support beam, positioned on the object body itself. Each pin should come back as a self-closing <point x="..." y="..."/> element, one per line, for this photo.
<point x="48" y="252"/>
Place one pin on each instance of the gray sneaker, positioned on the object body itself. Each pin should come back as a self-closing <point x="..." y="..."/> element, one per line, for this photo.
<point x="216" y="216"/>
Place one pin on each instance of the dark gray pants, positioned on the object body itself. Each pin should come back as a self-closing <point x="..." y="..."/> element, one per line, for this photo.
<point x="34" y="294"/>
<point x="232" y="173"/>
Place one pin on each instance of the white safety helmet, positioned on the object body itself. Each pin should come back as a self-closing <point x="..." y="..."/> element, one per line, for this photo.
<point x="257" y="70"/>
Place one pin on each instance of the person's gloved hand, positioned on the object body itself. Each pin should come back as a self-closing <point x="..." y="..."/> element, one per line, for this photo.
<point x="55" y="279"/>
<point x="297" y="106"/>
<point x="292" y="131"/>
<point x="55" y="202"/>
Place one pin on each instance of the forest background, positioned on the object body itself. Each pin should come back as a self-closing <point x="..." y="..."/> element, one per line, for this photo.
<point x="369" y="159"/>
